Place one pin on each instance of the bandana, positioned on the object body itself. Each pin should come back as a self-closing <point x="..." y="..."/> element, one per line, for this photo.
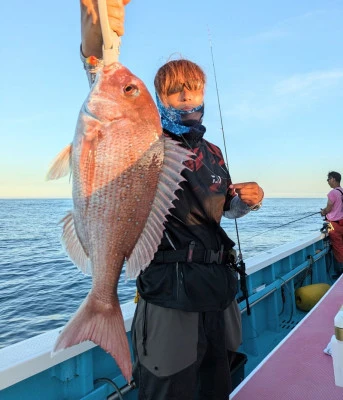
<point x="181" y="122"/>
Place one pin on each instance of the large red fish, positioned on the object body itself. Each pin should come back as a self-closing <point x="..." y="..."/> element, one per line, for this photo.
<point x="125" y="174"/>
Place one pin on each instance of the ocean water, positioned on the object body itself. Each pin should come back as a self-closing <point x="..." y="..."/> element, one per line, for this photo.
<point x="40" y="288"/>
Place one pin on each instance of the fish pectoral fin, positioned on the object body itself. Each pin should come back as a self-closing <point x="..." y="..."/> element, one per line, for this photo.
<point x="61" y="165"/>
<point x="89" y="145"/>
<point x="73" y="245"/>
<point x="88" y="165"/>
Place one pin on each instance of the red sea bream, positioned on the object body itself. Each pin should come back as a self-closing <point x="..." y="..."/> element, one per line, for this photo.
<point x="125" y="174"/>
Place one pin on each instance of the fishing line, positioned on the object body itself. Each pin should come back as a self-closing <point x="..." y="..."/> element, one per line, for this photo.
<point x="219" y="106"/>
<point x="221" y="123"/>
<point x="200" y="160"/>
<point x="240" y="266"/>
<point x="287" y="223"/>
<point x="223" y="134"/>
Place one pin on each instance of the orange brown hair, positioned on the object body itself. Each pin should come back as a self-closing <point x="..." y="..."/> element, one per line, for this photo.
<point x="172" y="76"/>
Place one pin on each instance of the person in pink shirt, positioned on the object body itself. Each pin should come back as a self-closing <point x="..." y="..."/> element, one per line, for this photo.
<point x="333" y="213"/>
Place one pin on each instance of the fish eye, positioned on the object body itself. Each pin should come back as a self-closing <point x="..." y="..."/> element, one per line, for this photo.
<point x="131" y="90"/>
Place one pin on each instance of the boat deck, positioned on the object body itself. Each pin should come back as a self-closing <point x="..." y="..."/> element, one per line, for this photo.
<point x="298" y="368"/>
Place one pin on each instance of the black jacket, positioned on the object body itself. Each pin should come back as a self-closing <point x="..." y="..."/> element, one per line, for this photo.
<point x="201" y="285"/>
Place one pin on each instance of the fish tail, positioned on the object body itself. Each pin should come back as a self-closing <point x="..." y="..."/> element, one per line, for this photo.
<point x="103" y="324"/>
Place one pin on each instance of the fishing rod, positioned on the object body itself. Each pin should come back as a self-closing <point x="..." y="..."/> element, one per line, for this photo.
<point x="287" y="223"/>
<point x="240" y="267"/>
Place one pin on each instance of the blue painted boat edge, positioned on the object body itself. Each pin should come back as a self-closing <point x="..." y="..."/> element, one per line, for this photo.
<point x="271" y="256"/>
<point x="32" y="356"/>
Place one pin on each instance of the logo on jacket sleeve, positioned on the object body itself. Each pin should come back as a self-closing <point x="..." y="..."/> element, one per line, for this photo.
<point x="216" y="179"/>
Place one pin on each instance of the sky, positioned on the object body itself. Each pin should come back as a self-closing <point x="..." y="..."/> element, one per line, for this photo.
<point x="278" y="65"/>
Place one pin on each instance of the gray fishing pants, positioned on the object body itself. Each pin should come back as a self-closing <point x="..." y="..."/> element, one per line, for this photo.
<point x="183" y="355"/>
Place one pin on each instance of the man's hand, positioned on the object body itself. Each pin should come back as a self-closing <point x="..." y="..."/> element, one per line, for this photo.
<point x="116" y="14"/>
<point x="115" y="11"/>
<point x="90" y="25"/>
<point x="249" y="192"/>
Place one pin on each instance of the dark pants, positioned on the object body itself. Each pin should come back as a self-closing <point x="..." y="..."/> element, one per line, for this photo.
<point x="181" y="355"/>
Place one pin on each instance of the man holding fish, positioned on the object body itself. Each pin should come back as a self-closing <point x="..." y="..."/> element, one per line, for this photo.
<point x="187" y="323"/>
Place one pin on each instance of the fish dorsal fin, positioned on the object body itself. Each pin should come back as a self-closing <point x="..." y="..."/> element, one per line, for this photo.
<point x="169" y="181"/>
<point x="73" y="246"/>
<point x="61" y="165"/>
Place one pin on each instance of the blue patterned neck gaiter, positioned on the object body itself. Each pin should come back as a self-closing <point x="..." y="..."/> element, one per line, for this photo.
<point x="180" y="122"/>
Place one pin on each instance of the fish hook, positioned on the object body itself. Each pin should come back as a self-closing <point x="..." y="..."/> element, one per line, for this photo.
<point x="111" y="41"/>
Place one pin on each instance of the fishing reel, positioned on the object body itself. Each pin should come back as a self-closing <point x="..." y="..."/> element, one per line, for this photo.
<point x="326" y="228"/>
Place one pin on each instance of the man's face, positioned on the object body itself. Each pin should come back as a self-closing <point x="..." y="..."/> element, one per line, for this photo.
<point x="185" y="99"/>
<point x="331" y="181"/>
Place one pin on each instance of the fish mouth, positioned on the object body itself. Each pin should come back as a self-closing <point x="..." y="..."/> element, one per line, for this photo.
<point x="88" y="112"/>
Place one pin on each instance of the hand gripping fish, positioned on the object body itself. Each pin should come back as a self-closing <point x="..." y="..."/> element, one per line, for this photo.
<point x="125" y="174"/>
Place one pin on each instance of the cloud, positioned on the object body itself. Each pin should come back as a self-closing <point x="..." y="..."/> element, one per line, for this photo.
<point x="294" y="92"/>
<point x="310" y="82"/>
<point x="273" y="34"/>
